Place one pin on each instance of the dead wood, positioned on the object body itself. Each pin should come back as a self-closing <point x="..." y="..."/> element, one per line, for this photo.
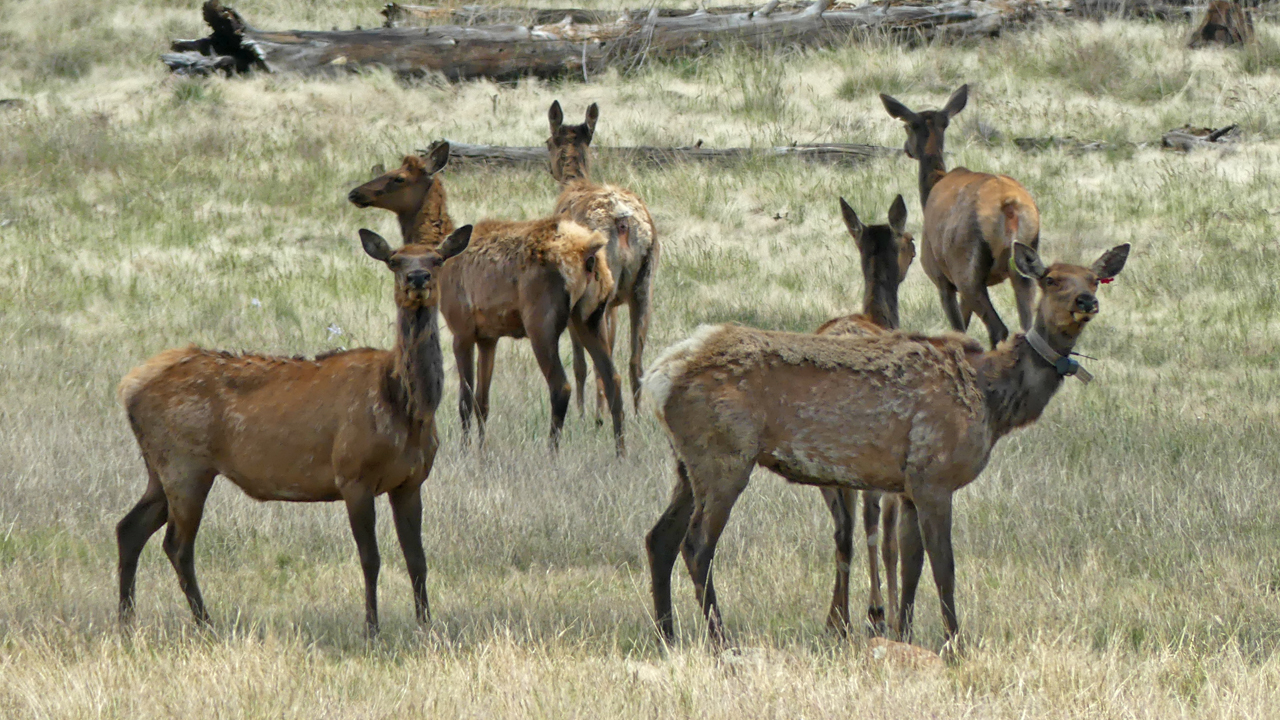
<point x="506" y="51"/>
<point x="837" y="153"/>
<point x="1185" y="138"/>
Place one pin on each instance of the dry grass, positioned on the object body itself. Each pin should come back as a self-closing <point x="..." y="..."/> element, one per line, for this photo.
<point x="1119" y="559"/>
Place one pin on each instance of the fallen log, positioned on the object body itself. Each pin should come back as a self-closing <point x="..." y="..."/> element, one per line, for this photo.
<point x="402" y="15"/>
<point x="509" y="51"/>
<point x="834" y="153"/>
<point x="1185" y="138"/>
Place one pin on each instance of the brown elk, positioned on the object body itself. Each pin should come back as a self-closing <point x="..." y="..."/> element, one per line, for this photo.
<point x="894" y="412"/>
<point x="517" y="279"/>
<point x="622" y="217"/>
<point x="886" y="253"/>
<point x="971" y="221"/>
<point x="347" y="426"/>
<point x="1226" y="22"/>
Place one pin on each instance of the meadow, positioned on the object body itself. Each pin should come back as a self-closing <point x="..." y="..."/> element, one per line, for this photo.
<point x="1121" y="558"/>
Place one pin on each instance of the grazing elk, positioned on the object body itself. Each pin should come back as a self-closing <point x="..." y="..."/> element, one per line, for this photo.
<point x="886" y="253"/>
<point x="895" y="412"/>
<point x="345" y="426"/>
<point x="517" y="279"/>
<point x="971" y="221"/>
<point x="622" y="217"/>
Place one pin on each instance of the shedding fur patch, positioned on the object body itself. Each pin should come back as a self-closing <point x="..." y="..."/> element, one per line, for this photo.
<point x="892" y="358"/>
<point x="600" y="207"/>
<point x="550" y="241"/>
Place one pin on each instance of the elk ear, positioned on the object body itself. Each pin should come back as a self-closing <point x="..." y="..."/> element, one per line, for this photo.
<point x="852" y="222"/>
<point x="1028" y="262"/>
<point x="437" y="156"/>
<point x="593" y="114"/>
<point x="1111" y="262"/>
<point x="897" y="109"/>
<point x="556" y="116"/>
<point x="376" y="247"/>
<point x="378" y="170"/>
<point x="957" y="101"/>
<point x="455" y="243"/>
<point x="898" y="216"/>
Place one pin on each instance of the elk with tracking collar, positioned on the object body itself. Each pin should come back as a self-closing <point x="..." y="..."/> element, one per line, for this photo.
<point x="895" y="412"/>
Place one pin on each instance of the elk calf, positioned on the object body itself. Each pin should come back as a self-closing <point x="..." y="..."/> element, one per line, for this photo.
<point x="893" y="412"/>
<point x="622" y="217"/>
<point x="345" y="426"/>
<point x="971" y="222"/>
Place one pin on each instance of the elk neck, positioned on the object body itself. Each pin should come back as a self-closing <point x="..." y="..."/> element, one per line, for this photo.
<point x="932" y="169"/>
<point x="1017" y="382"/>
<point x="575" y="169"/>
<point x="430" y="224"/>
<point x="880" y="296"/>
<point x="416" y="378"/>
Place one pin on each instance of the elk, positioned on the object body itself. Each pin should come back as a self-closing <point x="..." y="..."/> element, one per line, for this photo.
<point x="528" y="279"/>
<point x="623" y="218"/>
<point x="886" y="253"/>
<point x="971" y="221"/>
<point x="347" y="426"/>
<point x="894" y="412"/>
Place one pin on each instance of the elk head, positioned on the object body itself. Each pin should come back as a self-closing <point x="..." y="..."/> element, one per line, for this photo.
<point x="883" y="246"/>
<point x="569" y="145"/>
<point x="925" y="129"/>
<point x="402" y="190"/>
<point x="1068" y="293"/>
<point x="416" y="267"/>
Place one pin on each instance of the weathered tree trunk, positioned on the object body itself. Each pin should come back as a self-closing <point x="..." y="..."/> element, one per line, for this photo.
<point x="403" y="15"/>
<point x="510" y="51"/>
<point x="846" y="153"/>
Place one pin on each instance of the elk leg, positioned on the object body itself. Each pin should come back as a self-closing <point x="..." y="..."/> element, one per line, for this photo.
<point x="935" y="526"/>
<point x="639" y="304"/>
<point x="839" y="503"/>
<point x="186" y="507"/>
<point x="871" y="527"/>
<point x="1024" y="293"/>
<point x="488" y="349"/>
<point x="663" y="544"/>
<point x="132" y="533"/>
<point x="590" y="331"/>
<point x="981" y="302"/>
<point x="579" y="371"/>
<point x="912" y="560"/>
<point x="609" y="333"/>
<point x="947" y="294"/>
<point x="545" y="340"/>
<point x="721" y="486"/>
<point x="406" y="509"/>
<point x="889" y="505"/>
<point x="464" y="358"/>
<point x="364" y="518"/>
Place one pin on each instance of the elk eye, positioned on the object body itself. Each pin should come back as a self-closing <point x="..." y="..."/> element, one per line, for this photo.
<point x="397" y="180"/>
<point x="1050" y="282"/>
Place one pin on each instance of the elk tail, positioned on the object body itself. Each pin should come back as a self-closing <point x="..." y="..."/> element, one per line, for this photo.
<point x="670" y="366"/>
<point x="138" y="378"/>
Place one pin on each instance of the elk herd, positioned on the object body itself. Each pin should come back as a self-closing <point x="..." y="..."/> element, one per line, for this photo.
<point x="857" y="406"/>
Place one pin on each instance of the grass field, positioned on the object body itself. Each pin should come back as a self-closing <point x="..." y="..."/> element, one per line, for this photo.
<point x="1119" y="559"/>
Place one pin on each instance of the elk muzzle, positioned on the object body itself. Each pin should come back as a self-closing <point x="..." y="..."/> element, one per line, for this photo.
<point x="359" y="199"/>
<point x="1086" y="306"/>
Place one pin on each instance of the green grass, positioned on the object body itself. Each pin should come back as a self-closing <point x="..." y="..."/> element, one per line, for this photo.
<point x="1121" y="558"/>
